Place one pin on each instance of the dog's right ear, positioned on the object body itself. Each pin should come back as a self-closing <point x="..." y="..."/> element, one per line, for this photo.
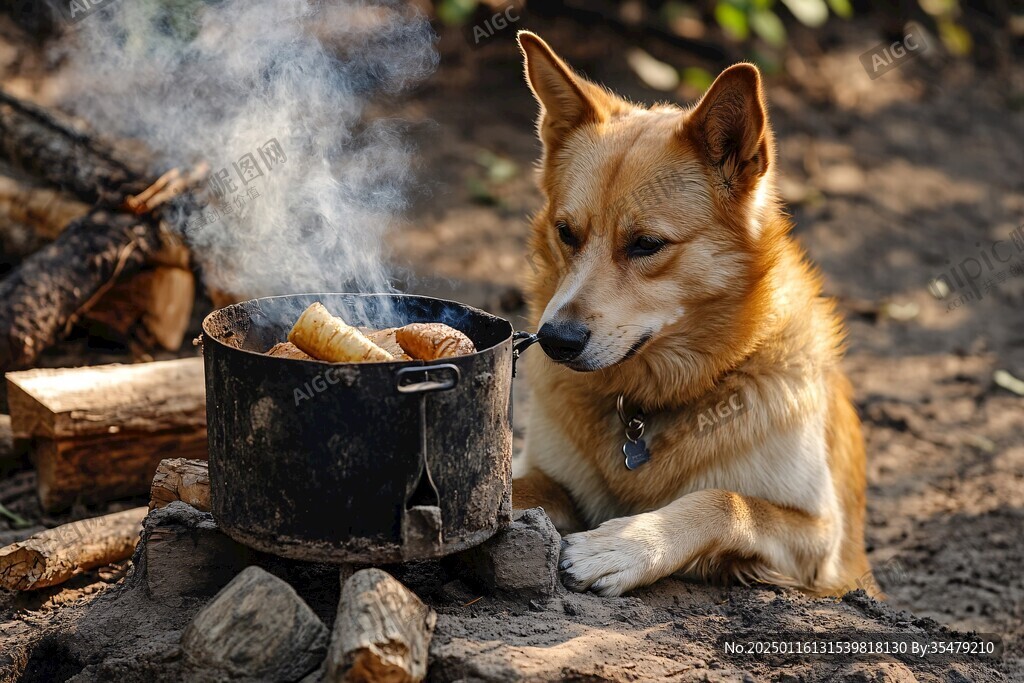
<point x="567" y="101"/>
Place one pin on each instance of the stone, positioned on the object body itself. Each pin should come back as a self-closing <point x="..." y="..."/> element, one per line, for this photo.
<point x="520" y="560"/>
<point x="257" y="627"/>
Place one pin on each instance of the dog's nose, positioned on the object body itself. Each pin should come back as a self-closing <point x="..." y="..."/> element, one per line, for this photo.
<point x="563" y="341"/>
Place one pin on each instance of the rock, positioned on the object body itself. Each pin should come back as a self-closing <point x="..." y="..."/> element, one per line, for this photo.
<point x="257" y="627"/>
<point x="382" y="632"/>
<point x="520" y="561"/>
<point x="182" y="554"/>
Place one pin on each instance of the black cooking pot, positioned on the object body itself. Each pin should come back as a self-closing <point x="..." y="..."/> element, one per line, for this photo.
<point x="368" y="462"/>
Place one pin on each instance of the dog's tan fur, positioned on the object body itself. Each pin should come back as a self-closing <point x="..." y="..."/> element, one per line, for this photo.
<point x="728" y="313"/>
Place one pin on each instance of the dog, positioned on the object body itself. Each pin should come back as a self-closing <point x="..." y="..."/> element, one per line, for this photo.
<point x="689" y="415"/>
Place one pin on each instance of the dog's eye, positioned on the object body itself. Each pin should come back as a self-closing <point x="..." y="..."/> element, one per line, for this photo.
<point x="645" y="245"/>
<point x="565" y="234"/>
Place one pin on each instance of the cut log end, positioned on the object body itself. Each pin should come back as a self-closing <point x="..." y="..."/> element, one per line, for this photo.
<point x="181" y="479"/>
<point x="382" y="632"/>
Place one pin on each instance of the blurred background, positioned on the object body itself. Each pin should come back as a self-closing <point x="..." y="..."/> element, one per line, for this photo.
<point x="901" y="160"/>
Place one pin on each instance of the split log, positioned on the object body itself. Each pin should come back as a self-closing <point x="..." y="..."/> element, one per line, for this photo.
<point x="46" y="211"/>
<point x="47" y="146"/>
<point x="181" y="479"/>
<point x="49" y="291"/>
<point x="257" y="628"/>
<point x="382" y="631"/>
<point x="98" y="433"/>
<point x="55" y="555"/>
<point x="154" y="307"/>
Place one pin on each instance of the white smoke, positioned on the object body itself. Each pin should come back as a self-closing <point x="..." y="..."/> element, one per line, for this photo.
<point x="215" y="80"/>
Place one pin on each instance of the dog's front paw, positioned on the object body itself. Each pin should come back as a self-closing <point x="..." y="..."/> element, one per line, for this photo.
<point x="618" y="556"/>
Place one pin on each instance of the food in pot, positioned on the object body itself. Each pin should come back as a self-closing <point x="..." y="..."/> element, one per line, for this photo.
<point x="288" y="350"/>
<point x="385" y="339"/>
<point x="318" y="335"/>
<point x="327" y="337"/>
<point x="430" y="341"/>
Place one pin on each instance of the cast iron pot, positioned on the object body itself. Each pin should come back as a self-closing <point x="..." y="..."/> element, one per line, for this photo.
<point x="353" y="463"/>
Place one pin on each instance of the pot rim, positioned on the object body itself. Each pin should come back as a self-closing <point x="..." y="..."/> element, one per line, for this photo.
<point x="207" y="334"/>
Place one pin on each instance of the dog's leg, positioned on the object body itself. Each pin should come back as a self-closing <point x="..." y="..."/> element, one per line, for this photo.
<point x="703" y="531"/>
<point x="537" y="489"/>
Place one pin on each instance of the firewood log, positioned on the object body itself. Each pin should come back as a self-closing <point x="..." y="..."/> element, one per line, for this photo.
<point x="98" y="433"/>
<point x="44" y="145"/>
<point x="53" y="556"/>
<point x="46" y="211"/>
<point x="50" y="290"/>
<point x="181" y="479"/>
<point x="153" y="306"/>
<point x="382" y="631"/>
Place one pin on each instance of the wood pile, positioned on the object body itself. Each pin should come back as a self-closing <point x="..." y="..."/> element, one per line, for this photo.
<point x="98" y="433"/>
<point x="103" y="219"/>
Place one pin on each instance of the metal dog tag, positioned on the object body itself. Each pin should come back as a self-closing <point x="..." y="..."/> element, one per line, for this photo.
<point x="636" y="453"/>
<point x="634" y="449"/>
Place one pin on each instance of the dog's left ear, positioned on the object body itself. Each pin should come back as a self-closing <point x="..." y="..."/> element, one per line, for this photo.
<point x="567" y="101"/>
<point x="730" y="126"/>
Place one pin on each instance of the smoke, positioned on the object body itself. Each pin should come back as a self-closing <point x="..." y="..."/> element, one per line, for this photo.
<point x="278" y="87"/>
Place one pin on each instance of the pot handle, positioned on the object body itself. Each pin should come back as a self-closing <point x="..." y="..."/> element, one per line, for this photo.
<point x="418" y="380"/>
<point x="520" y="342"/>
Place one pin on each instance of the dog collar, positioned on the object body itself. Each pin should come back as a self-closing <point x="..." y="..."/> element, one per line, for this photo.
<point x="635" y="449"/>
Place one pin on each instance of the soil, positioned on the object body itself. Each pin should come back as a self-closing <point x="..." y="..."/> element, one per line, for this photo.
<point x="892" y="182"/>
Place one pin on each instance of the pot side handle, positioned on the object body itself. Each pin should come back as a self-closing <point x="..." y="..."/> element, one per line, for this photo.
<point x="520" y="342"/>
<point x="426" y="379"/>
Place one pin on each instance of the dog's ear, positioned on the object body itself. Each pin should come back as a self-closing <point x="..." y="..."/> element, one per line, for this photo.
<point x="567" y="101"/>
<point x="730" y="126"/>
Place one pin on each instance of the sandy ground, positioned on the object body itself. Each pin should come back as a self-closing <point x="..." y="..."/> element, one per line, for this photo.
<point x="891" y="183"/>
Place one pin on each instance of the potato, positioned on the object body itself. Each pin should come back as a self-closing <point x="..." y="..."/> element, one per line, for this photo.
<point x="430" y="341"/>
<point x="288" y="350"/>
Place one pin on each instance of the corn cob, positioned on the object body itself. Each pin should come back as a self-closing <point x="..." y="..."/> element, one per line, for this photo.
<point x="329" y="338"/>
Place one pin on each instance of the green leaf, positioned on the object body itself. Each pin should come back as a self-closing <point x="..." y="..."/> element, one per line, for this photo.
<point x="939" y="8"/>
<point x="955" y="37"/>
<point x="456" y="12"/>
<point x="768" y="25"/>
<point x="732" y="19"/>
<point x="812" y="13"/>
<point x="17" y="520"/>
<point x="768" y="62"/>
<point x="842" y="8"/>
<point x="698" y="78"/>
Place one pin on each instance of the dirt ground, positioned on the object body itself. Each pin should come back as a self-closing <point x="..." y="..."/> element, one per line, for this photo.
<point x="891" y="183"/>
